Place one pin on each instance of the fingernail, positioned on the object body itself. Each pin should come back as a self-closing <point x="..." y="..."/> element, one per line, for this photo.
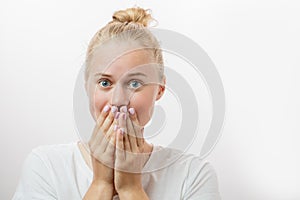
<point x="114" y="109"/>
<point x="117" y="115"/>
<point x="115" y="127"/>
<point x="131" y="111"/>
<point x="106" y="108"/>
<point x="122" y="131"/>
<point x="124" y="116"/>
<point x="123" y="109"/>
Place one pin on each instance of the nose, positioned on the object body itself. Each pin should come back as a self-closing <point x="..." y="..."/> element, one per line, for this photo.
<point x="120" y="97"/>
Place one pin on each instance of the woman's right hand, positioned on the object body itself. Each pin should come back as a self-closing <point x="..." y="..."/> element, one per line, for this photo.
<point x="102" y="148"/>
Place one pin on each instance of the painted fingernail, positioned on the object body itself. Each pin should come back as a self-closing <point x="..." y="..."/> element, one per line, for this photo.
<point x="123" y="109"/>
<point x="122" y="131"/>
<point x="106" y="108"/>
<point x="131" y="111"/>
<point x="117" y="115"/>
<point x="124" y="116"/>
<point x="114" y="109"/>
<point x="115" y="127"/>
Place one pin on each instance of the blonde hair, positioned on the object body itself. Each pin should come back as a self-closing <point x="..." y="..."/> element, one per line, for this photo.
<point x="131" y="24"/>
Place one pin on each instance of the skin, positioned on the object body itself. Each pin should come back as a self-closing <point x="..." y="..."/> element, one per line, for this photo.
<point x="118" y="150"/>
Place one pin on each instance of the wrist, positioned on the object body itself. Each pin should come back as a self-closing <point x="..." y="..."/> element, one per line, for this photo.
<point x="99" y="190"/>
<point x="131" y="192"/>
<point x="103" y="185"/>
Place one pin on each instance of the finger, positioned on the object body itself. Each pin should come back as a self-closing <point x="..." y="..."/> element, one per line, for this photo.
<point x="123" y="128"/>
<point x="104" y="153"/>
<point x="110" y="149"/>
<point x="126" y="142"/>
<point x="133" y="115"/>
<point x="109" y="119"/>
<point x="99" y="136"/>
<point x="107" y="136"/>
<point x="95" y="135"/>
<point x="136" y="125"/>
<point x="141" y="139"/>
<point x="112" y="128"/>
<point x="96" y="138"/>
<point x="120" y="153"/>
<point x="113" y="135"/>
<point x="132" y="135"/>
<point x="102" y="116"/>
<point x="98" y="148"/>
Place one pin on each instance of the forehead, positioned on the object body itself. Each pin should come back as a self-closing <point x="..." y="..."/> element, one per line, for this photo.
<point x="121" y="58"/>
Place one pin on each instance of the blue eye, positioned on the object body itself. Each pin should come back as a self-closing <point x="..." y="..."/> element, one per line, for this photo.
<point x="135" y="84"/>
<point x="105" y="83"/>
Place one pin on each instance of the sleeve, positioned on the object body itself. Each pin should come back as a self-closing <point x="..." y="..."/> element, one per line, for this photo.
<point x="201" y="182"/>
<point x="36" y="181"/>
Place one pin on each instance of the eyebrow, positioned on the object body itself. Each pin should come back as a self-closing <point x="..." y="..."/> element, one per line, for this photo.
<point x="129" y="75"/>
<point x="101" y="74"/>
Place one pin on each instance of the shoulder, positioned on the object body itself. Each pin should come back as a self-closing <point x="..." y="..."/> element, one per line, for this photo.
<point x="50" y="157"/>
<point x="40" y="169"/>
<point x="201" y="180"/>
<point x="194" y="164"/>
<point x="43" y="160"/>
<point x="170" y="157"/>
<point x="54" y="149"/>
<point x="201" y="170"/>
<point x="197" y="175"/>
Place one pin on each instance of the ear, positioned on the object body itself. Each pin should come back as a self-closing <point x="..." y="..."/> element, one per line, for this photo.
<point x="161" y="89"/>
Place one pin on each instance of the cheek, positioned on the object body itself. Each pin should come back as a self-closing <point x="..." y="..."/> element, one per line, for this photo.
<point x="143" y="104"/>
<point x="97" y="101"/>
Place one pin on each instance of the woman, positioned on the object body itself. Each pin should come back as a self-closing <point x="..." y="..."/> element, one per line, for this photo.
<point x="124" y="78"/>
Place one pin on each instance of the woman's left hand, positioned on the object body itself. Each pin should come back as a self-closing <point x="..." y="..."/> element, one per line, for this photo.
<point x="130" y="155"/>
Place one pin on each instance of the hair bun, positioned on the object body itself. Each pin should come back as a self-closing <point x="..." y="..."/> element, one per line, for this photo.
<point x="135" y="15"/>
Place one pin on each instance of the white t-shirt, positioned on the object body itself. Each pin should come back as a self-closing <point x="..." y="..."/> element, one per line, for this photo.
<point x="60" y="172"/>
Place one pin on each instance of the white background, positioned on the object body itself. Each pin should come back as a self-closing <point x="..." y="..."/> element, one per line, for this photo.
<point x="254" y="45"/>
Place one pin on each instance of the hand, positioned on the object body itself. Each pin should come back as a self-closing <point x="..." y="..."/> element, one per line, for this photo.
<point x="130" y="156"/>
<point x="102" y="148"/>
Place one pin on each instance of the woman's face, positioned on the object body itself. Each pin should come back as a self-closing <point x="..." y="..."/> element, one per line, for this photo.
<point x="129" y="80"/>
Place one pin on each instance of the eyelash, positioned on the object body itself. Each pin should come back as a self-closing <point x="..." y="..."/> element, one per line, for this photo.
<point x="103" y="80"/>
<point x="138" y="81"/>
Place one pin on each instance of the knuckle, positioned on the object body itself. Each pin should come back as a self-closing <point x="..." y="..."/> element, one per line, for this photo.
<point x="103" y="130"/>
<point x="100" y="119"/>
<point x="111" y="116"/>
